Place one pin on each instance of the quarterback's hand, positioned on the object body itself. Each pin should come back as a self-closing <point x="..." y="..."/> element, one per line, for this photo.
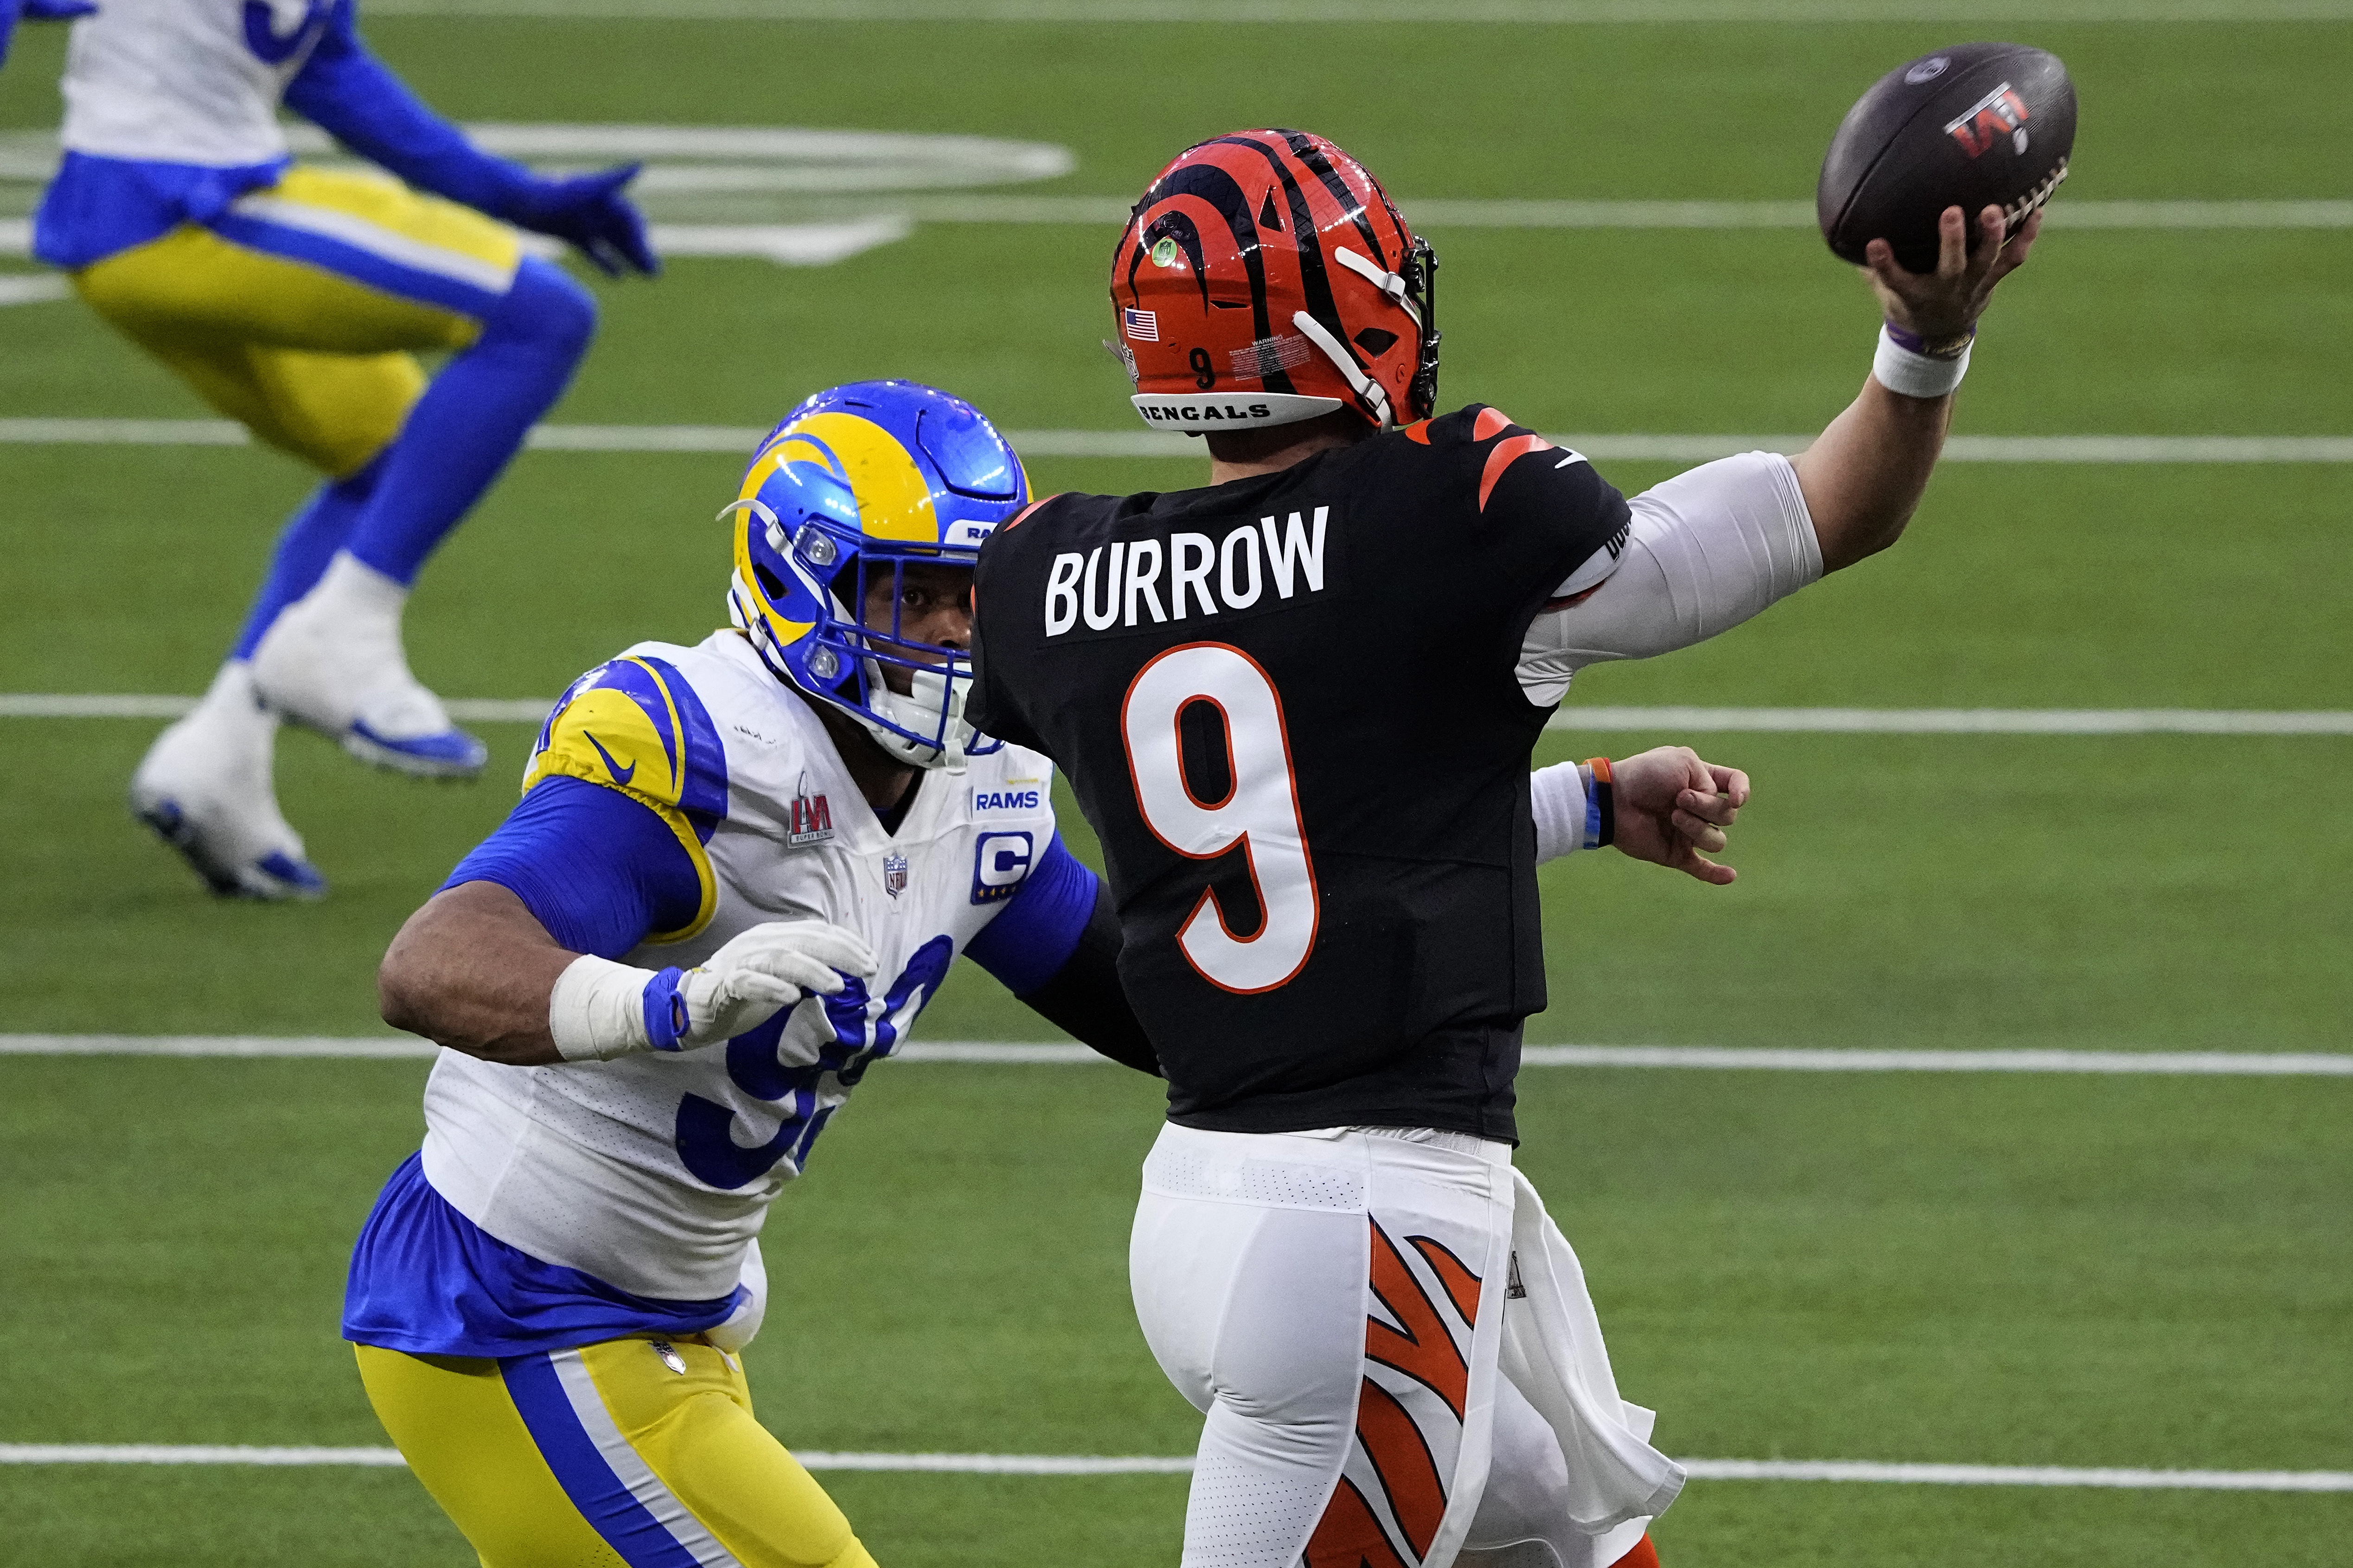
<point x="589" y="211"/>
<point x="771" y="966"/>
<point x="1945" y="304"/>
<point x="1670" y="805"/>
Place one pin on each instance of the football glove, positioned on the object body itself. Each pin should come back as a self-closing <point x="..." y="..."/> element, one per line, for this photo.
<point x="599" y="1009"/>
<point x="589" y="212"/>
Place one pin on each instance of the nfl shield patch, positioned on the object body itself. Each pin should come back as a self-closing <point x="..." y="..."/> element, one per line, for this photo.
<point x="894" y="874"/>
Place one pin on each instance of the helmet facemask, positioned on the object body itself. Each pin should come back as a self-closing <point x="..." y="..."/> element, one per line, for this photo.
<point x="850" y="665"/>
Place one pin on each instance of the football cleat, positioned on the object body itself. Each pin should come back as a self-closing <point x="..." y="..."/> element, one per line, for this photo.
<point x="333" y="661"/>
<point x="205" y="788"/>
<point x="1265" y="277"/>
<point x="857" y="481"/>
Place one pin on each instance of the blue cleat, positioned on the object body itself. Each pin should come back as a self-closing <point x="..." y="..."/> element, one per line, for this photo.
<point x="205" y="788"/>
<point x="447" y="754"/>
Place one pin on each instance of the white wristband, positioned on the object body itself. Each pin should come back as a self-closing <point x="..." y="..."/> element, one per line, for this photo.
<point x="1910" y="375"/>
<point x="1556" y="799"/>
<point x="598" y="1010"/>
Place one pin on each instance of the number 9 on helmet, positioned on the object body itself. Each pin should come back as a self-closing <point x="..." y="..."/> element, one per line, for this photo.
<point x="856" y="486"/>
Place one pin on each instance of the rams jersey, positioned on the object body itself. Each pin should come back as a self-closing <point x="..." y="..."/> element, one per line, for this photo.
<point x="1291" y="706"/>
<point x="652" y="1174"/>
<point x="189" y="82"/>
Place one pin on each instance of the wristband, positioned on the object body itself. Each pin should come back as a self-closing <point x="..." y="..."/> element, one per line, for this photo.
<point x="1600" y="808"/>
<point x="597" y="1009"/>
<point x="1910" y="366"/>
<point x="665" y="1010"/>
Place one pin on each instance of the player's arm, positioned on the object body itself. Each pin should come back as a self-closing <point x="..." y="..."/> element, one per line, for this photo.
<point x="1667" y="806"/>
<point x="1056" y="946"/>
<point x="513" y="960"/>
<point x="349" y="93"/>
<point x="1866" y="473"/>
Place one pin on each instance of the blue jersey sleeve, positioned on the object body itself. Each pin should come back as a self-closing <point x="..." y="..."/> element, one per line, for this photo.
<point x="1026" y="945"/>
<point x="600" y="870"/>
<point x="354" y="96"/>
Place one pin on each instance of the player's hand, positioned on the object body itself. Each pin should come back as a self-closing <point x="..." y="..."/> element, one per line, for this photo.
<point x="1671" y="805"/>
<point x="1945" y="304"/>
<point x="769" y="967"/>
<point x="589" y="211"/>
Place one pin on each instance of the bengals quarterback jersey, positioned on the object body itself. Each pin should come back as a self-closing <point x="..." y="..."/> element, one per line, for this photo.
<point x="1289" y="706"/>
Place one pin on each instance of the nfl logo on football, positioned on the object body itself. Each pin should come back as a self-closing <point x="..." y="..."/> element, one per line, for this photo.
<point x="894" y="874"/>
<point x="812" y="819"/>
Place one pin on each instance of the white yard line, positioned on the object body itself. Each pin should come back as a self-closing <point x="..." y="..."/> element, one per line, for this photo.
<point x="1541" y="13"/>
<point x="1092" y="1465"/>
<point x="737" y="439"/>
<point x="1583" y="720"/>
<point x="2206" y="1064"/>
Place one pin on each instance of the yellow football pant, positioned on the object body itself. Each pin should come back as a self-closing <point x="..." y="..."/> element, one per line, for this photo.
<point x="299" y="312"/>
<point x="606" y="1456"/>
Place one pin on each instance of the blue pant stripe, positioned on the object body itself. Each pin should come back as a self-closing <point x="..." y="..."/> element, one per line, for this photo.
<point x="360" y="265"/>
<point x="602" y="1498"/>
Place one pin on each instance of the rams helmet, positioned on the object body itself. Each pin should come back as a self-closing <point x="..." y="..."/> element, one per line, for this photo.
<point x="1265" y="277"/>
<point x="857" y="484"/>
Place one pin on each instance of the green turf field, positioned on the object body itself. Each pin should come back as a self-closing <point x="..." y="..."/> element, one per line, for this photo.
<point x="2000" y="1269"/>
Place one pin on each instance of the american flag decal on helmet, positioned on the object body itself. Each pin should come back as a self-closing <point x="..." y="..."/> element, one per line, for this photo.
<point x="1144" y="326"/>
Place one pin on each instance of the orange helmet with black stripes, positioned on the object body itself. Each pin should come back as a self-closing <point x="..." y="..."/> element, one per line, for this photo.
<point x="1264" y="277"/>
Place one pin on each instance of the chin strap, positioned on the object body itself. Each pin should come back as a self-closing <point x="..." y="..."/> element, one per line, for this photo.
<point x="1366" y="389"/>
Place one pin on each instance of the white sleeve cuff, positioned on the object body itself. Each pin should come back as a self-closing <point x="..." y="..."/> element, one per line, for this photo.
<point x="1558" y="798"/>
<point x="598" y="1010"/>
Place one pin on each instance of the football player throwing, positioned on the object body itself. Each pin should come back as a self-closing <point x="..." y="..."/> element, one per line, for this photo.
<point x="1298" y="706"/>
<point x="738" y="873"/>
<point x="295" y="301"/>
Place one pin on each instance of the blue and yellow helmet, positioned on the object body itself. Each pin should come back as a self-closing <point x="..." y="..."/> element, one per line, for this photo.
<point x="857" y="482"/>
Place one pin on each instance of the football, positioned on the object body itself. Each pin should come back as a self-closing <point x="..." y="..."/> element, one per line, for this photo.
<point x="1974" y="125"/>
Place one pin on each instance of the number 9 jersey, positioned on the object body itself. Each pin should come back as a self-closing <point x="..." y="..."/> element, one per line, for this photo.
<point x="1289" y="704"/>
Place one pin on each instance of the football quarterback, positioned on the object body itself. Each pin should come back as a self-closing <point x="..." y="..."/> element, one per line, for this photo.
<point x="295" y="301"/>
<point x="1298" y="707"/>
<point x="738" y="873"/>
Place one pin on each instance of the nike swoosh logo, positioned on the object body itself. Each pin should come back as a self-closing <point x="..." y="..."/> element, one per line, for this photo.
<point x="620" y="774"/>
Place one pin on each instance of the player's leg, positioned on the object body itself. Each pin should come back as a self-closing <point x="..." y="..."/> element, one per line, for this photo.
<point x="607" y="1456"/>
<point x="334" y="658"/>
<point x="1319" y="1298"/>
<point x="323" y="281"/>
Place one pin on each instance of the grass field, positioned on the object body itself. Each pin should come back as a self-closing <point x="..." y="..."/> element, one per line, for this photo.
<point x="2045" y="1270"/>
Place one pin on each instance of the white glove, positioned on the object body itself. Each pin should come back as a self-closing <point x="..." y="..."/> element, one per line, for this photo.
<point x="599" y="1009"/>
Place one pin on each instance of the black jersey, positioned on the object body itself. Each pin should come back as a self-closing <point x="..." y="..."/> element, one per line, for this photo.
<point x="1289" y="706"/>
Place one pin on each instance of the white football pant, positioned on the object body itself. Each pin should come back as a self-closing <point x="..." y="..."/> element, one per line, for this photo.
<point x="1390" y="1342"/>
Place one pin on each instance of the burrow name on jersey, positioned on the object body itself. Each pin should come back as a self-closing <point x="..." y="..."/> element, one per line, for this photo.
<point x="1203" y="574"/>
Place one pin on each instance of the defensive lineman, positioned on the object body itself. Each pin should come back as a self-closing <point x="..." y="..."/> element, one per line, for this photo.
<point x="294" y="299"/>
<point x="1297" y="706"/>
<point x="738" y="873"/>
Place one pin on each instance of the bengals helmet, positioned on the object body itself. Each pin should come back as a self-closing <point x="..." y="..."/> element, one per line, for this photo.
<point x="1265" y="277"/>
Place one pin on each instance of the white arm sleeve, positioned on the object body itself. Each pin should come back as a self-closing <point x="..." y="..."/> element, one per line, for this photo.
<point x="1706" y="550"/>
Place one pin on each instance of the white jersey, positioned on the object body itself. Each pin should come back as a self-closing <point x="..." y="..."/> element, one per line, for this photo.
<point x="653" y="1173"/>
<point x="187" y="82"/>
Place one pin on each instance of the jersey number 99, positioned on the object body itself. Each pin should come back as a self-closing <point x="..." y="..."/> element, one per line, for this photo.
<point x="1259" y="813"/>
